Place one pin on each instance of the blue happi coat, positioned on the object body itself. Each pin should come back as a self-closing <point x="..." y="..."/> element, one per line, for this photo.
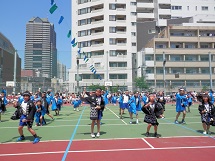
<point x="57" y="104"/>
<point x="38" y="114"/>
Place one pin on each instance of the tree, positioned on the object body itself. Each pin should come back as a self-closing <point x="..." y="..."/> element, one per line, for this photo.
<point x="141" y="83"/>
<point x="205" y="88"/>
<point x="93" y="87"/>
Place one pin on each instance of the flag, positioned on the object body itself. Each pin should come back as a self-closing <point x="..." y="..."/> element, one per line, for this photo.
<point x="69" y="34"/>
<point x="86" y="59"/>
<point x="79" y="50"/>
<point x="52" y="2"/>
<point x="94" y="72"/>
<point x="73" y="41"/>
<point x="60" y="20"/>
<point x="92" y="67"/>
<point x="74" y="45"/>
<point x="53" y="8"/>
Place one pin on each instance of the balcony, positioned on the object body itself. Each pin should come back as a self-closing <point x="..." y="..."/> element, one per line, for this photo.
<point x="164" y="12"/>
<point x="98" y="10"/>
<point x="145" y="15"/>
<point x="97" y="22"/>
<point x="164" y="1"/>
<point x="141" y="5"/>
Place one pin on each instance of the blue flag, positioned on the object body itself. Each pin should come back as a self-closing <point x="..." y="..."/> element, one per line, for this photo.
<point x="60" y="20"/>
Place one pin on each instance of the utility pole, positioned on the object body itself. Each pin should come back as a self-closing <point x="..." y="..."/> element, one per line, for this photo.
<point x="210" y="69"/>
<point x="77" y="75"/>
<point x="14" y="72"/>
<point x="164" y="72"/>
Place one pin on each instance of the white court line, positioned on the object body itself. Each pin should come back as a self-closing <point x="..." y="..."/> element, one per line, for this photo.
<point x="117" y="115"/>
<point x="148" y="143"/>
<point x="108" y="139"/>
<point x="58" y="126"/>
<point x="110" y="150"/>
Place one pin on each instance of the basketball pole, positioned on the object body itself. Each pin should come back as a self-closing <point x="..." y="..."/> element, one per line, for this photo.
<point x="14" y="73"/>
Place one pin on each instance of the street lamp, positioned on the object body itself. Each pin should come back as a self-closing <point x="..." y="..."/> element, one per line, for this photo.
<point x="164" y="72"/>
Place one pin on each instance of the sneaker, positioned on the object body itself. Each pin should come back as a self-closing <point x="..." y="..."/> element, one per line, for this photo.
<point x="130" y="122"/>
<point x="20" y="138"/>
<point x="137" y="122"/>
<point x="77" y="109"/>
<point x="156" y="135"/>
<point x="205" y="132"/>
<point x="93" y="135"/>
<point x="98" y="135"/>
<point x="36" y="140"/>
<point x="183" y="122"/>
<point x="147" y="134"/>
<point x="74" y="109"/>
<point x="176" y="122"/>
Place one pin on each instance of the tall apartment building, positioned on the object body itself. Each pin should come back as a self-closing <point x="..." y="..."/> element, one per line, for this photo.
<point x="106" y="32"/>
<point x="111" y="32"/>
<point x="40" y="47"/>
<point x="186" y="48"/>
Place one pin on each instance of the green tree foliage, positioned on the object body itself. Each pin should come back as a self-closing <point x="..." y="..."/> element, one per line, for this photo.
<point x="93" y="87"/>
<point x="141" y="83"/>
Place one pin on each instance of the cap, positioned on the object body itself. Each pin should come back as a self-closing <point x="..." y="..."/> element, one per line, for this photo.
<point x="26" y="93"/>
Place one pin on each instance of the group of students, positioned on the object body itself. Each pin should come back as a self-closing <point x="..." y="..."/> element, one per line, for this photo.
<point x="153" y="105"/>
<point x="34" y="107"/>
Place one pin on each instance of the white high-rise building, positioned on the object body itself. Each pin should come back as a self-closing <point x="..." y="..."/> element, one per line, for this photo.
<point x="106" y="32"/>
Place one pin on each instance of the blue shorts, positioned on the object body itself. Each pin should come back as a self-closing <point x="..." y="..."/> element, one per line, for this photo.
<point x="28" y="123"/>
<point x="125" y="105"/>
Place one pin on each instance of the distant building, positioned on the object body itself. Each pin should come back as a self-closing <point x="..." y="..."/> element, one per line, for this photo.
<point x="7" y="52"/>
<point x="40" y="47"/>
<point x="186" y="47"/>
<point x="28" y="73"/>
<point x="61" y="71"/>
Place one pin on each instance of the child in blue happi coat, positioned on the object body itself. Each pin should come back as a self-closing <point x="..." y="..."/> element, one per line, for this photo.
<point x="56" y="104"/>
<point x="114" y="99"/>
<point x="76" y="103"/>
<point x="40" y="113"/>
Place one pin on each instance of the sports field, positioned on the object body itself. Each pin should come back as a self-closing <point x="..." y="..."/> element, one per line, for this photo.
<point x="68" y="138"/>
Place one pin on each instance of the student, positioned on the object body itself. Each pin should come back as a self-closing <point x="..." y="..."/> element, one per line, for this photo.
<point x="162" y="101"/>
<point x="180" y="105"/>
<point x="4" y="101"/>
<point x="40" y="113"/>
<point x="125" y="98"/>
<point x="76" y="103"/>
<point x="46" y="104"/>
<point x="207" y="111"/>
<point x="114" y="99"/>
<point x="190" y="101"/>
<point x="27" y="118"/>
<point x="56" y="104"/>
<point x="97" y="106"/>
<point x="150" y="115"/>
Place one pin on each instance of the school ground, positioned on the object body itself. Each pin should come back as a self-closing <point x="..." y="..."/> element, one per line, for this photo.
<point x="68" y="138"/>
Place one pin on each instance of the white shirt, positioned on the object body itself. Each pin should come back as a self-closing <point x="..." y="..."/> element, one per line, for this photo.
<point x="99" y="100"/>
<point x="207" y="107"/>
<point x="24" y="107"/>
<point x="125" y="98"/>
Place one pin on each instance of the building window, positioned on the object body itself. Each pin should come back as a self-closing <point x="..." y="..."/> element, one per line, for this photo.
<point x="196" y="8"/>
<point x="112" y="41"/>
<point x="97" y="64"/>
<point x="83" y="1"/>
<point x="133" y="33"/>
<point x="188" y="8"/>
<point x="112" y="18"/>
<point x="133" y="13"/>
<point x="133" y="23"/>
<point x="37" y="45"/>
<point x="112" y="6"/>
<point x="204" y="8"/>
<point x="84" y="10"/>
<point x="37" y="58"/>
<point x="118" y="64"/>
<point x="149" y="57"/>
<point x="133" y="44"/>
<point x="37" y="52"/>
<point x="37" y="65"/>
<point x="151" y="31"/>
<point x="176" y="7"/>
<point x="204" y="58"/>
<point x="159" y="57"/>
<point x="118" y="76"/>
<point x="112" y="29"/>
<point x="133" y="3"/>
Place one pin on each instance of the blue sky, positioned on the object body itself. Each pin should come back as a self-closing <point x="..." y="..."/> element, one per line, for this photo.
<point x="14" y="14"/>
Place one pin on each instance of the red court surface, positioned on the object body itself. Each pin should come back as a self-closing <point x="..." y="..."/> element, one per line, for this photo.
<point x="155" y="149"/>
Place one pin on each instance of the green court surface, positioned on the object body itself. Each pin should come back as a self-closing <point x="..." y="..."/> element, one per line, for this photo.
<point x="112" y="127"/>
